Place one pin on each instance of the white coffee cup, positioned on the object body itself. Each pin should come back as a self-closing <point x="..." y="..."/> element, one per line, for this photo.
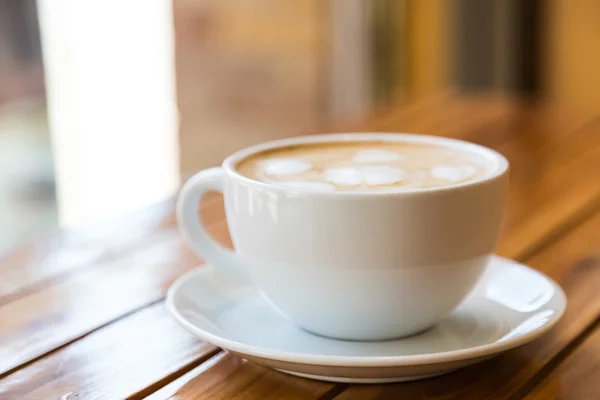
<point x="353" y="265"/>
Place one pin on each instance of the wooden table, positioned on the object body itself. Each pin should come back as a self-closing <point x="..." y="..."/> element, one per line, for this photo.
<point x="82" y="313"/>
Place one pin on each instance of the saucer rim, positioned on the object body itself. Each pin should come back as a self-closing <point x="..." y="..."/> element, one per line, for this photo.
<point x="480" y="351"/>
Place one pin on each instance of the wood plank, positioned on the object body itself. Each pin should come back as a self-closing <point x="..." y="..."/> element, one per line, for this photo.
<point x="226" y="376"/>
<point x="39" y="323"/>
<point x="550" y="198"/>
<point x="450" y="115"/>
<point x="47" y="262"/>
<point x="69" y="249"/>
<point x="574" y="262"/>
<point x="127" y="357"/>
<point x="577" y="378"/>
<point x="545" y="151"/>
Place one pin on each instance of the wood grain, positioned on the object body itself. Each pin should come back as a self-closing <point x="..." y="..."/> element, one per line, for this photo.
<point x="447" y="114"/>
<point x="52" y="317"/>
<point x="72" y="249"/>
<point x="127" y="358"/>
<point x="546" y="195"/>
<point x="47" y="262"/>
<point x="226" y="376"/>
<point x="577" y="378"/>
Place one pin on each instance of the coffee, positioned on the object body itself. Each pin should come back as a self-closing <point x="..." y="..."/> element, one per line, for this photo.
<point x="366" y="166"/>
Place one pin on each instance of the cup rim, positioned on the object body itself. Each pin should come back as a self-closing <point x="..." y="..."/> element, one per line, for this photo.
<point x="501" y="163"/>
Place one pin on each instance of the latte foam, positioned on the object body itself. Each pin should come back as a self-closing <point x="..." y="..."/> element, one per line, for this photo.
<point x="365" y="166"/>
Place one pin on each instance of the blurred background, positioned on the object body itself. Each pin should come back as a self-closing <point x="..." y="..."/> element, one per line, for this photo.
<point x="106" y="106"/>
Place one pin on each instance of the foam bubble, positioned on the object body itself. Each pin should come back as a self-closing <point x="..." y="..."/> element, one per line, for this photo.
<point x="453" y="174"/>
<point x="344" y="176"/>
<point x="468" y="171"/>
<point x="308" y="185"/>
<point x="372" y="175"/>
<point x="367" y="156"/>
<point x="285" y="166"/>
<point x="382" y="175"/>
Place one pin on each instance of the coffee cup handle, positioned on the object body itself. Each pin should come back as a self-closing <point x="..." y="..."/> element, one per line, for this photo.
<point x="190" y="223"/>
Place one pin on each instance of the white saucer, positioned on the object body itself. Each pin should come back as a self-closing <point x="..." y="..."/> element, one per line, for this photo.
<point x="512" y="305"/>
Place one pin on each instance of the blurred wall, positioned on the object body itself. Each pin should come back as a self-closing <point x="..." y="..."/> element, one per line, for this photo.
<point x="428" y="56"/>
<point x="572" y="54"/>
<point x="247" y="71"/>
<point x="255" y="70"/>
